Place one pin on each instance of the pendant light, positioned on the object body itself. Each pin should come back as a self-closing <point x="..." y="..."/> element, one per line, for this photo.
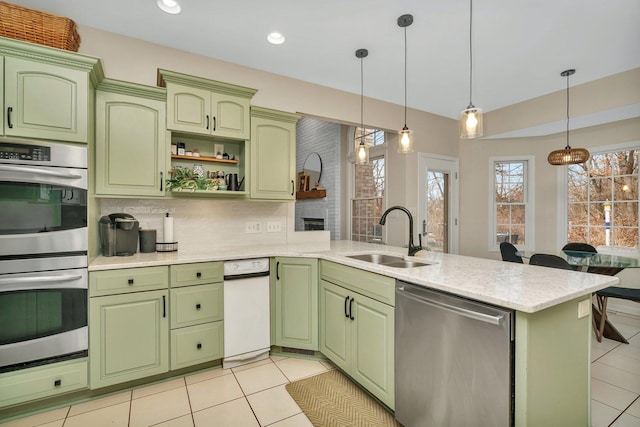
<point x="471" y="117"/>
<point x="405" y="144"/>
<point x="362" y="149"/>
<point x="568" y="155"/>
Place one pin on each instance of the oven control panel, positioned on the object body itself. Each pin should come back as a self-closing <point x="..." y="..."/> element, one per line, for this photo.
<point x="36" y="153"/>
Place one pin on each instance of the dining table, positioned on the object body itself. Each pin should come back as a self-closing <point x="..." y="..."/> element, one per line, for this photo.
<point x="598" y="263"/>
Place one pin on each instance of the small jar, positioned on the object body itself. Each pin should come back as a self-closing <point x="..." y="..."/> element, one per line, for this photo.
<point x="196" y="152"/>
<point x="188" y="153"/>
<point x="174" y="149"/>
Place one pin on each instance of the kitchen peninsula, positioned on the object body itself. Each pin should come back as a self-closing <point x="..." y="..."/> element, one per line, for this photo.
<point x="552" y="339"/>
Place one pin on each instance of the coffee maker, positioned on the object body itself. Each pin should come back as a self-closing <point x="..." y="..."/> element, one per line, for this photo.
<point x="118" y="234"/>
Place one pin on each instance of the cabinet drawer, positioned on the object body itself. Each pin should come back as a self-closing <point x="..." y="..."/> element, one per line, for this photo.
<point x="376" y="286"/>
<point x="128" y="280"/>
<point x="196" y="304"/>
<point x="196" y="344"/>
<point x="42" y="381"/>
<point x="196" y="274"/>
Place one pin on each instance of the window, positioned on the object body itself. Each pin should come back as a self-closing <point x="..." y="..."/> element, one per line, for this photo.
<point x="512" y="202"/>
<point x="367" y="202"/>
<point x="602" y="200"/>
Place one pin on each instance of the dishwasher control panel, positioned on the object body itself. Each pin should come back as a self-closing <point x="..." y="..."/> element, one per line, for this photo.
<point x="246" y="266"/>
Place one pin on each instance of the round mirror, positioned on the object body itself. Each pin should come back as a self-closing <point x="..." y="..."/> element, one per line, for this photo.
<point x="313" y="168"/>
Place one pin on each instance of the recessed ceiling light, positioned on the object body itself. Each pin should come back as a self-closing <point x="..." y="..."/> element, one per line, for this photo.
<point x="275" y="38"/>
<point x="169" y="6"/>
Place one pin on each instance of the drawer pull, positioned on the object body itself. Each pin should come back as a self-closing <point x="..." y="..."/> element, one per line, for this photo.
<point x="198" y="306"/>
<point x="198" y="274"/>
<point x="199" y="346"/>
<point x="130" y="281"/>
<point x="57" y="383"/>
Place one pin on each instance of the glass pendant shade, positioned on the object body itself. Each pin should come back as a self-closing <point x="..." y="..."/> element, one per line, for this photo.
<point x="362" y="154"/>
<point x="405" y="140"/>
<point x="471" y="122"/>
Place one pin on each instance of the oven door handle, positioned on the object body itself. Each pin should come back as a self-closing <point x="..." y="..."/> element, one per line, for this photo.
<point x="35" y="282"/>
<point x="31" y="170"/>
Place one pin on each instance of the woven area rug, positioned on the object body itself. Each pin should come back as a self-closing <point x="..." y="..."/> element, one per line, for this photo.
<point x="333" y="400"/>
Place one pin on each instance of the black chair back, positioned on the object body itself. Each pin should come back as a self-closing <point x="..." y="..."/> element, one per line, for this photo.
<point x="508" y="252"/>
<point x="579" y="247"/>
<point x="548" y="260"/>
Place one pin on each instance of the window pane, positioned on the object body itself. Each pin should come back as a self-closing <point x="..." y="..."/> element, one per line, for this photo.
<point x="577" y="213"/>
<point x="510" y="198"/>
<point x="600" y="189"/>
<point x="517" y="214"/>
<point x="625" y="214"/>
<point x="597" y="236"/>
<point x="626" y="188"/>
<point x="627" y="237"/>
<point x="578" y="234"/>
<point x="517" y="235"/>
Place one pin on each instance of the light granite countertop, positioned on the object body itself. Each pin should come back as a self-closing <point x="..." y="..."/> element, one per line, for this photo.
<point x="519" y="287"/>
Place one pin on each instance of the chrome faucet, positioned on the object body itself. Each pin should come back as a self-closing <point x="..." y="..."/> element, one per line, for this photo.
<point x="412" y="249"/>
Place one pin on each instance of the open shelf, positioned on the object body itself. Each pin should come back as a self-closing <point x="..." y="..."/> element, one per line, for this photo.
<point x="311" y="194"/>
<point x="204" y="159"/>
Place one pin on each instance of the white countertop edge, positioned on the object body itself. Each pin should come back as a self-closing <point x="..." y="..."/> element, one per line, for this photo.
<point x="519" y="287"/>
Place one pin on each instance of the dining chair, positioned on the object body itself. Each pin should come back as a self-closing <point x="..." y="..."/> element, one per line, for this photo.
<point x="631" y="294"/>
<point x="579" y="247"/>
<point x="549" y="260"/>
<point x="508" y="252"/>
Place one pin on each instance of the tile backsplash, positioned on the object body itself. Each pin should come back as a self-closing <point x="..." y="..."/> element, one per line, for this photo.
<point x="203" y="224"/>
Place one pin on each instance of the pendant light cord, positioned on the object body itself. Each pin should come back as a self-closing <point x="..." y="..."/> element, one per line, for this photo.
<point x="361" y="101"/>
<point x="470" y="52"/>
<point x="405" y="77"/>
<point x="568" y="147"/>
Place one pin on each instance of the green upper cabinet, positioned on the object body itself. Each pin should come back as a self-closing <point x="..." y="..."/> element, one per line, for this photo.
<point x="273" y="154"/>
<point x="295" y="302"/>
<point x="131" y="140"/>
<point x="48" y="93"/>
<point x="203" y="106"/>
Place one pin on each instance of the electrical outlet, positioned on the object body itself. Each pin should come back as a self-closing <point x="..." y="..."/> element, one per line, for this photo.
<point x="274" y="227"/>
<point x="252" y="227"/>
<point x="584" y="308"/>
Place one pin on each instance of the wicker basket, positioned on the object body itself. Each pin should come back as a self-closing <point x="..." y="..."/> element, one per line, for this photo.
<point x="17" y="22"/>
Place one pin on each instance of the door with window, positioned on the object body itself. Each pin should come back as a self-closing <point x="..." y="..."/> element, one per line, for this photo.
<point x="438" y="202"/>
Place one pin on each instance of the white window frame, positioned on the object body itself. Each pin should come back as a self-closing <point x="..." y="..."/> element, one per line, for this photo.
<point x="563" y="194"/>
<point x="374" y="152"/>
<point x="529" y="202"/>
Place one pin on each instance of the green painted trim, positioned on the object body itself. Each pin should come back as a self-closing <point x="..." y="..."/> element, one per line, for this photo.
<point x="49" y="55"/>
<point x="267" y="113"/>
<point x="165" y="76"/>
<point x="133" y="89"/>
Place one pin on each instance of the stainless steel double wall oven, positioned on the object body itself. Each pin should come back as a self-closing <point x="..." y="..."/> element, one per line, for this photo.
<point x="43" y="253"/>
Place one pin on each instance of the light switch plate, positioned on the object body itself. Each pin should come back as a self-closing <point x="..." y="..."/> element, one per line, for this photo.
<point x="584" y="308"/>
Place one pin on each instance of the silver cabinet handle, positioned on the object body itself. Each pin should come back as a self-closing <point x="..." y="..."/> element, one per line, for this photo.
<point x="487" y="318"/>
<point x="36" y="282"/>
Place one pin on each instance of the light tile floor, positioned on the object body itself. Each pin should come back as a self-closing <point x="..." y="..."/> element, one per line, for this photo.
<point x="254" y="395"/>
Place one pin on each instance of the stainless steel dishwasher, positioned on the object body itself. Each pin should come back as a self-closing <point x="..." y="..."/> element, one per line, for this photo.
<point x="453" y="360"/>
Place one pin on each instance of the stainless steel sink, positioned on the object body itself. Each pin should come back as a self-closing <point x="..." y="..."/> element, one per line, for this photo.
<point x="376" y="258"/>
<point x="388" y="260"/>
<point x="406" y="264"/>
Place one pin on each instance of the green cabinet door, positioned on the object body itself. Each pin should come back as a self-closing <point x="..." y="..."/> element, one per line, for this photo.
<point x="296" y="303"/>
<point x="373" y="347"/>
<point x="128" y="337"/>
<point x="273" y="154"/>
<point x="335" y="325"/>
<point x="188" y="109"/>
<point x="45" y="101"/>
<point x="131" y="140"/>
<point x="230" y="118"/>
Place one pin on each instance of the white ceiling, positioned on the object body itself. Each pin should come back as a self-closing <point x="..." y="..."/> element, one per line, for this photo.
<point x="519" y="46"/>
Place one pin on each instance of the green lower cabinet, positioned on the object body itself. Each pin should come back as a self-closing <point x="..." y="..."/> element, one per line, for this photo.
<point x="357" y="334"/>
<point x="128" y="337"/>
<point x="196" y="344"/>
<point x="42" y="381"/>
<point x="295" y="302"/>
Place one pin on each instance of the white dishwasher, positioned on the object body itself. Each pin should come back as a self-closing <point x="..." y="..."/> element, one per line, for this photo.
<point x="246" y="311"/>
